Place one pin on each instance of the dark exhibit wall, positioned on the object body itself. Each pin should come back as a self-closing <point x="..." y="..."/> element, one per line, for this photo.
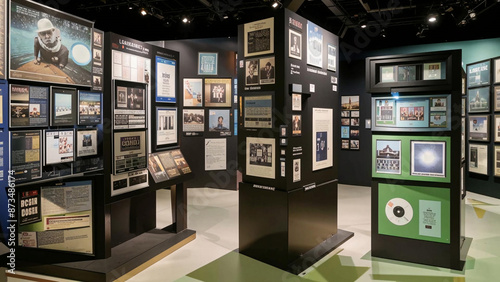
<point x="193" y="146"/>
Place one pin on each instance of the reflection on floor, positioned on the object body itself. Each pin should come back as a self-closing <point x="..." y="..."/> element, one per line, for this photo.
<point x="211" y="257"/>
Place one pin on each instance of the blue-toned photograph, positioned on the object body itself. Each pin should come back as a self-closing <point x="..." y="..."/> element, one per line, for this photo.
<point x="321" y="148"/>
<point x="428" y="158"/>
<point x="479" y="100"/>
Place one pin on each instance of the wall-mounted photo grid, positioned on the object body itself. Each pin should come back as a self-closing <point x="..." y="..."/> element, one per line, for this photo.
<point x="349" y="119"/>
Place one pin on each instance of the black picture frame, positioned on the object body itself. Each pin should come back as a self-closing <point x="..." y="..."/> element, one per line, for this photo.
<point x="63" y="106"/>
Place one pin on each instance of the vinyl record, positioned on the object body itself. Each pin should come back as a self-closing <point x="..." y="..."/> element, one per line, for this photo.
<point x="399" y="211"/>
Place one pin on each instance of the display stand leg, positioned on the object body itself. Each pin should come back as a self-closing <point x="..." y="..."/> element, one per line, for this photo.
<point x="179" y="207"/>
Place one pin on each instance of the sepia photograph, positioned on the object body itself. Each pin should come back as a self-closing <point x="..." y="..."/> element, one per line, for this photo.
<point x="350" y="102"/>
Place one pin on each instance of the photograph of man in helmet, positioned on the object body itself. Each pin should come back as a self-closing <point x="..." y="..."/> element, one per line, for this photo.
<point x="48" y="47"/>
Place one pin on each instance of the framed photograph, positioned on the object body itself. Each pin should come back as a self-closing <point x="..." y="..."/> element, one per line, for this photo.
<point x="166" y="126"/>
<point x="156" y="168"/>
<point x="166" y="80"/>
<point x="314" y="45"/>
<point x="344" y="132"/>
<point x="258" y="37"/>
<point x="428" y="158"/>
<point x="345" y="114"/>
<point x="193" y="92"/>
<point x="97" y="56"/>
<point x="296" y="170"/>
<point x="219" y="121"/>
<point x="387" y="73"/>
<point x="407" y="73"/>
<point x="478" y="158"/>
<point x="296" y="102"/>
<point x="462" y="129"/>
<point x="496" y="73"/>
<point x="354" y="133"/>
<point x="260" y="157"/>
<point x="86" y="142"/>
<point x="463" y="85"/>
<point x="130" y="104"/>
<point x="464" y="106"/>
<point x="252" y="75"/>
<point x="478" y="74"/>
<point x="438" y="120"/>
<point x="29" y="106"/>
<point x="207" y="63"/>
<point x="129" y="151"/>
<point x="497" y="161"/>
<point x="218" y="92"/>
<point x="193" y="120"/>
<point x="332" y="57"/>
<point x="438" y="104"/>
<point x="26" y="154"/>
<point x="345" y="121"/>
<point x="433" y="71"/>
<point x="345" y="145"/>
<point x="130" y="67"/>
<point x="413" y="112"/>
<point x="354" y="144"/>
<point x="354" y="113"/>
<point x="385" y="112"/>
<point x="496" y="131"/>
<point x="295" y="44"/>
<point x="89" y="107"/>
<point x="496" y="98"/>
<point x="267" y="70"/>
<point x="296" y="125"/>
<point x="59" y="146"/>
<point x="258" y="111"/>
<point x="479" y="100"/>
<point x="388" y="156"/>
<point x="63" y="106"/>
<point x="354" y="122"/>
<point x="479" y="128"/>
<point x="57" y="35"/>
<point x="350" y="102"/>
<point x="322" y="138"/>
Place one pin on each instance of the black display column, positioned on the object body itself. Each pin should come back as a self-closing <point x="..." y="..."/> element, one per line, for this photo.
<point x="287" y="150"/>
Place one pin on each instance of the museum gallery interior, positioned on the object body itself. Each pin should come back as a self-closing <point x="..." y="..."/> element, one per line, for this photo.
<point x="261" y="140"/>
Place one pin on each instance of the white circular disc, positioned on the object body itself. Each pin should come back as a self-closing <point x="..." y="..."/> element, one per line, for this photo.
<point x="399" y="211"/>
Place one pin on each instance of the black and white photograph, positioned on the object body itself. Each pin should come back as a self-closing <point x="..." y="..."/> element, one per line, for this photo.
<point x="388" y="156"/>
<point x="267" y="70"/>
<point x="26" y="154"/>
<point x="86" y="142"/>
<point x="193" y="120"/>
<point x="48" y="45"/>
<point x="478" y="158"/>
<point x="496" y="131"/>
<point x="388" y="73"/>
<point x="479" y="127"/>
<point x="260" y="158"/>
<point x="428" y="158"/>
<point x="332" y="57"/>
<point x="354" y="122"/>
<point x="345" y="114"/>
<point x="166" y="122"/>
<point x="295" y="44"/>
<point x="407" y="73"/>
<point x="354" y="113"/>
<point x="354" y="144"/>
<point x="218" y="92"/>
<point x="252" y="72"/>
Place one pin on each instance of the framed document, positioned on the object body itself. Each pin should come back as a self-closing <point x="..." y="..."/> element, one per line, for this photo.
<point x="59" y="146"/>
<point x="129" y="151"/>
<point x="496" y="98"/>
<point x="496" y="131"/>
<point x="29" y="106"/>
<point x="497" y="161"/>
<point x="86" y="142"/>
<point x="388" y="73"/>
<point x="296" y="102"/>
<point x="89" y="107"/>
<point x="315" y="46"/>
<point x="478" y="158"/>
<point x="166" y="126"/>
<point x="478" y="74"/>
<point x="218" y="92"/>
<point x="479" y="127"/>
<point x="258" y="37"/>
<point x="267" y="70"/>
<point x="258" y="112"/>
<point x="260" y="157"/>
<point x="26" y="154"/>
<point x="296" y="125"/>
<point x="332" y="57"/>
<point x="207" y="63"/>
<point x="322" y="138"/>
<point x="479" y="100"/>
<point x="130" y="103"/>
<point x="433" y="71"/>
<point x="215" y="154"/>
<point x="130" y="67"/>
<point x="295" y="44"/>
<point x="165" y="80"/>
<point x="496" y="73"/>
<point x="193" y="92"/>
<point x="63" y="108"/>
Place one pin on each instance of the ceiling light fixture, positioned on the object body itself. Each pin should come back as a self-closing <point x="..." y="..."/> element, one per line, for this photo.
<point x="432" y="17"/>
<point x="276" y="4"/>
<point x="362" y="23"/>
<point x="472" y="15"/>
<point x="185" y="20"/>
<point x="143" y="11"/>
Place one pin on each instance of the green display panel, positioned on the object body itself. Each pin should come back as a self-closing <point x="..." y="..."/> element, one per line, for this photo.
<point x="420" y="158"/>
<point x="414" y="212"/>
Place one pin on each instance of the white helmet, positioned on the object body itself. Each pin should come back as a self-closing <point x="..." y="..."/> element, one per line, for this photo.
<point x="44" y="25"/>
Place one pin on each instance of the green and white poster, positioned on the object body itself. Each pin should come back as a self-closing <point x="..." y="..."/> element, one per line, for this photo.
<point x="414" y="212"/>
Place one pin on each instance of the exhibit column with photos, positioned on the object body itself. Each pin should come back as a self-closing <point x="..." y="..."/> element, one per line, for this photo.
<point x="417" y="165"/>
<point x="287" y="76"/>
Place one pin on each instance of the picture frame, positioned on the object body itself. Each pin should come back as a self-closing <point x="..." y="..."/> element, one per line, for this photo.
<point x="166" y="126"/>
<point x="478" y="74"/>
<point x="89" y="107"/>
<point x="258" y="111"/>
<point x="387" y="73"/>
<point x="345" y="114"/>
<point x="331" y="57"/>
<point x="388" y="156"/>
<point x="407" y="73"/>
<point x="479" y="100"/>
<point x="294" y="44"/>
<point x="218" y="92"/>
<point x="193" y="92"/>
<point x="63" y="106"/>
<point x="314" y="45"/>
<point x="258" y="37"/>
<point x="193" y="120"/>
<point x="252" y="72"/>
<point x="428" y="158"/>
<point x="28" y="144"/>
<point x="479" y="128"/>
<point x="464" y="106"/>
<point x="496" y="98"/>
<point x="432" y="71"/>
<point x="344" y="132"/>
<point x="219" y="121"/>
<point x="349" y="103"/>
<point x="496" y="129"/>
<point x="166" y="80"/>
<point x="260" y="157"/>
<point x="267" y="71"/>
<point x="354" y="122"/>
<point x="354" y="133"/>
<point x="24" y="17"/>
<point x="354" y="113"/>
<point x="497" y="162"/>
<point x="129" y="151"/>
<point x="132" y="68"/>
<point x="354" y="144"/>
<point x="296" y="102"/>
<point x="296" y="125"/>
<point x="496" y="73"/>
<point x="130" y="102"/>
<point x="29" y="106"/>
<point x="59" y="146"/>
<point x="208" y="63"/>
<point x="322" y="138"/>
<point x="86" y="142"/>
<point x="478" y="158"/>
<point x="345" y="144"/>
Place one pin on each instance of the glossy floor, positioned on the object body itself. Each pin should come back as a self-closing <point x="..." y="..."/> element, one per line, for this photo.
<point x="211" y="257"/>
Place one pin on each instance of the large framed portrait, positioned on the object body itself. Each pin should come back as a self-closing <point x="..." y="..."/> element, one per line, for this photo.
<point x="479" y="100"/>
<point x="59" y="146"/>
<point x="130" y="104"/>
<point x="166" y="126"/>
<point x="388" y="156"/>
<point x="129" y="151"/>
<point x="479" y="128"/>
<point x="166" y="80"/>
<point x="207" y="63"/>
<point x="61" y="49"/>
<point x="63" y="106"/>
<point x="218" y="92"/>
<point x="295" y="44"/>
<point x="261" y="157"/>
<point x="258" y="37"/>
<point x="478" y="158"/>
<point x="29" y="106"/>
<point x="86" y="142"/>
<point x="428" y="158"/>
<point x="193" y="92"/>
<point x="89" y="107"/>
<point x="478" y="74"/>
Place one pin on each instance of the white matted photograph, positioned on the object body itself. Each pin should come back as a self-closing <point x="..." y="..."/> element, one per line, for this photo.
<point x="260" y="158"/>
<point x="86" y="142"/>
<point x="428" y="158"/>
<point x="295" y="44"/>
<point x="322" y="138"/>
<point x="478" y="158"/>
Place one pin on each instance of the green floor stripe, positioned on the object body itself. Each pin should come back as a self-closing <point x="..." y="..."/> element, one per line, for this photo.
<point x="334" y="270"/>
